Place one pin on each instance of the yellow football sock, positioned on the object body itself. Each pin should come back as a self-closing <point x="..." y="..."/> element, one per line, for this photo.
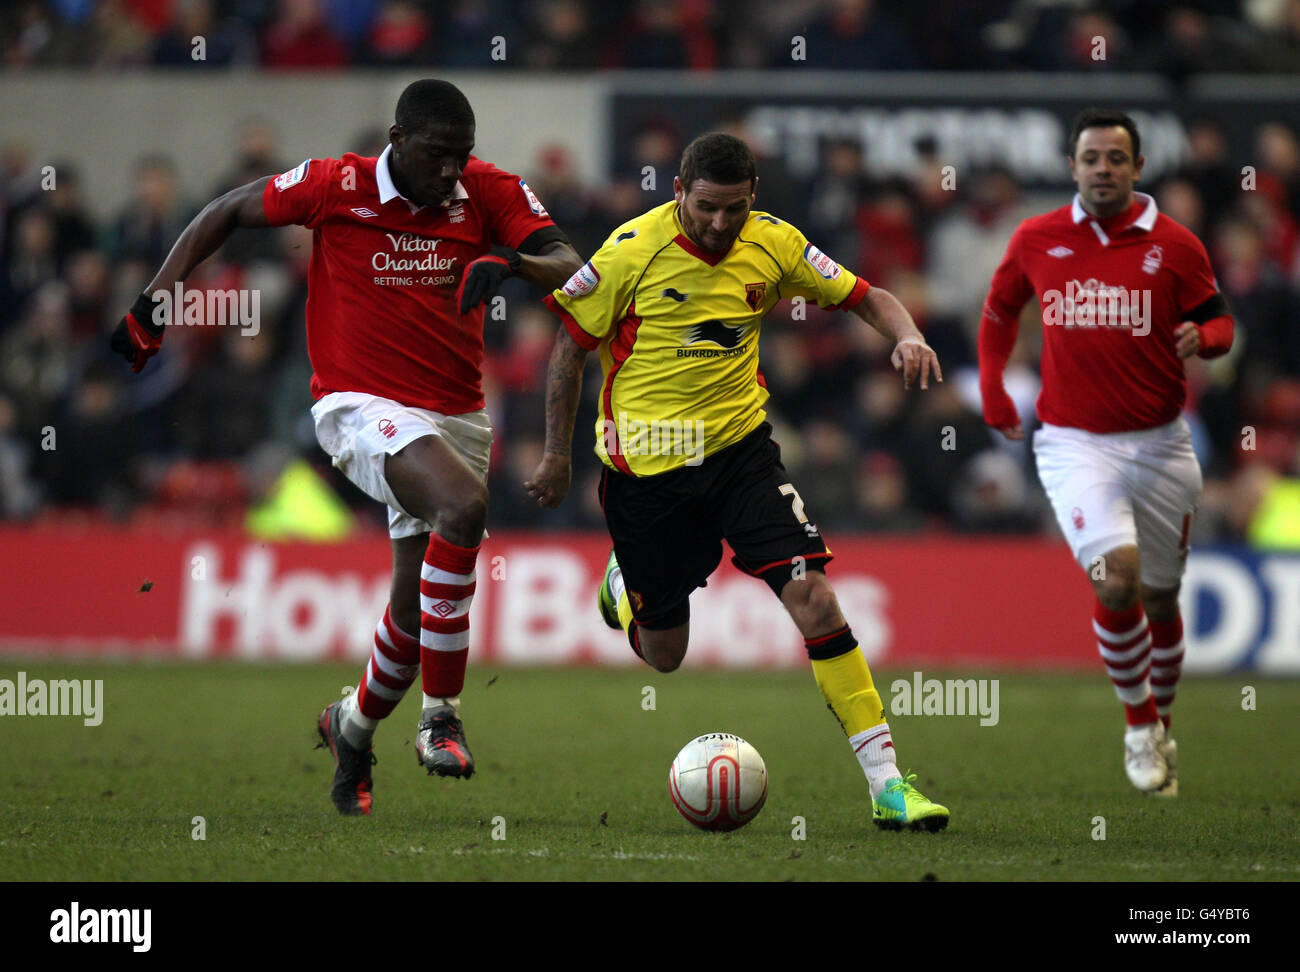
<point x="624" y="610"/>
<point x="845" y="683"/>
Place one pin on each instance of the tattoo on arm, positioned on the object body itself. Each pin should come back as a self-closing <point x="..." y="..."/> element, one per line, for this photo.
<point x="563" y="390"/>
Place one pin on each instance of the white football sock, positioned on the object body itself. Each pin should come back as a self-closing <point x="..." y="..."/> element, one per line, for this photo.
<point x="358" y="729"/>
<point x="874" y="748"/>
<point x="454" y="701"/>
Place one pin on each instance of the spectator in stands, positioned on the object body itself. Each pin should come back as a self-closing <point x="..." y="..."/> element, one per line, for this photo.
<point x="854" y="35"/>
<point x="155" y="215"/>
<point x="224" y="43"/>
<point x="301" y="37"/>
<point x="563" y="39"/>
<point x="400" y="36"/>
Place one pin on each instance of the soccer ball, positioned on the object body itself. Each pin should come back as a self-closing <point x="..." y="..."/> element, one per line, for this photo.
<point x="718" y="781"/>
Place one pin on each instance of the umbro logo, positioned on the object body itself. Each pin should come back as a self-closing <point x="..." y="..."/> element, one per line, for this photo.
<point x="364" y="213"/>
<point x="680" y="298"/>
<point x="442" y="608"/>
<point x="1060" y="252"/>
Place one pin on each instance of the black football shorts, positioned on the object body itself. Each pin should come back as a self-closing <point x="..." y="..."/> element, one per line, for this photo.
<point x="668" y="529"/>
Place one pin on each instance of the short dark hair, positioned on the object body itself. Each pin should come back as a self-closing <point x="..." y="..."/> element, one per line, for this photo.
<point x="717" y="157"/>
<point x="1105" y="118"/>
<point x="431" y="103"/>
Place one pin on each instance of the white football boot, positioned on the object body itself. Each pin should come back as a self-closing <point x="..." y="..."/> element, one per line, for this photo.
<point x="1169" y="749"/>
<point x="1144" y="758"/>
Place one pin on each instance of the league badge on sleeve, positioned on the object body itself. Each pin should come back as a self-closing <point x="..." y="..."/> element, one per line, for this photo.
<point x="583" y="282"/>
<point x="534" y="203"/>
<point x="291" y="178"/>
<point x="823" y="264"/>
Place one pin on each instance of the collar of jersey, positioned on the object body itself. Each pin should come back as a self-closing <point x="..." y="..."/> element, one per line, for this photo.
<point x="1146" y="221"/>
<point x="684" y="241"/>
<point x="388" y="192"/>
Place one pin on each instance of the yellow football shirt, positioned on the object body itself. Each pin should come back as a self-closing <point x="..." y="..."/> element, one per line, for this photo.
<point x="677" y="328"/>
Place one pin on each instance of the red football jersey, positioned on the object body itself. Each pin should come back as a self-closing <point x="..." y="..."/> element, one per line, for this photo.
<point x="1112" y="293"/>
<point x="382" y="309"/>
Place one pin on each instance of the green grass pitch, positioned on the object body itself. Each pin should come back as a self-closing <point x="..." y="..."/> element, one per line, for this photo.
<point x="577" y="768"/>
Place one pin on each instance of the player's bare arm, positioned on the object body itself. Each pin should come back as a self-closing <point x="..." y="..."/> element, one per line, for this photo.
<point x="138" y="337"/>
<point x="240" y="208"/>
<point x="912" y="356"/>
<point x="552" y="267"/>
<point x="550" y="483"/>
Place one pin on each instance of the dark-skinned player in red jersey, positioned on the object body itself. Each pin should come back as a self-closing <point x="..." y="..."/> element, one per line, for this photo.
<point x="407" y="249"/>
<point x="1127" y="294"/>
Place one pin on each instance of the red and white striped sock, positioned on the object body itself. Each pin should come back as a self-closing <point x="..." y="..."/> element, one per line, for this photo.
<point x="446" y="590"/>
<point x="1166" y="663"/>
<point x="394" y="663"/>
<point x="1124" y="641"/>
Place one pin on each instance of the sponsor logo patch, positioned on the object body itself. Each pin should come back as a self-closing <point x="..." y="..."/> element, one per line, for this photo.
<point x="583" y="282"/>
<point x="291" y="178"/>
<point x="716" y="332"/>
<point x="534" y="203"/>
<point x="820" y="262"/>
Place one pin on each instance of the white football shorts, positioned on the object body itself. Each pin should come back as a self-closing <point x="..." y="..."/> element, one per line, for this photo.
<point x="1123" y="488"/>
<point x="359" y="430"/>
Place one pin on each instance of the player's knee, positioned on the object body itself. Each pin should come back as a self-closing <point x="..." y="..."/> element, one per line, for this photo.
<point x="463" y="519"/>
<point x="662" y="661"/>
<point x="1117" y="590"/>
<point x="662" y="656"/>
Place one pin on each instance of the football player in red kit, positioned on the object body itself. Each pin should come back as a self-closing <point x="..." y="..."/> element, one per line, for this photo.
<point x="1126" y="295"/>
<point x="406" y="250"/>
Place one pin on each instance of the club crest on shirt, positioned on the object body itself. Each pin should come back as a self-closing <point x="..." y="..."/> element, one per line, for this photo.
<point x="1151" y="262"/>
<point x="294" y="176"/>
<point x="820" y="262"/>
<point x="754" y="295"/>
<point x="1076" y="517"/>
<point x="534" y="203"/>
<point x="583" y="282"/>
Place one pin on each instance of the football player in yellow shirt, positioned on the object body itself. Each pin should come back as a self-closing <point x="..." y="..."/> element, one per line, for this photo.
<point x="673" y="302"/>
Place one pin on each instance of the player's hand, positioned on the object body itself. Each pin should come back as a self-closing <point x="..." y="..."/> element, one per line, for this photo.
<point x="1000" y="412"/>
<point x="913" y="357"/>
<point x="1188" y="336"/>
<point x="484" y="275"/>
<point x="137" y="338"/>
<point x="550" y="482"/>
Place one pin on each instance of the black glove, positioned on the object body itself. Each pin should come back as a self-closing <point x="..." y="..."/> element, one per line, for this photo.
<point x="484" y="275"/>
<point x="136" y="337"/>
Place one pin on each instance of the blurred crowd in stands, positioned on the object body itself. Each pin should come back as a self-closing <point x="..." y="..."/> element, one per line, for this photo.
<point x="208" y="431"/>
<point x="1175" y="37"/>
<point x="209" y="427"/>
